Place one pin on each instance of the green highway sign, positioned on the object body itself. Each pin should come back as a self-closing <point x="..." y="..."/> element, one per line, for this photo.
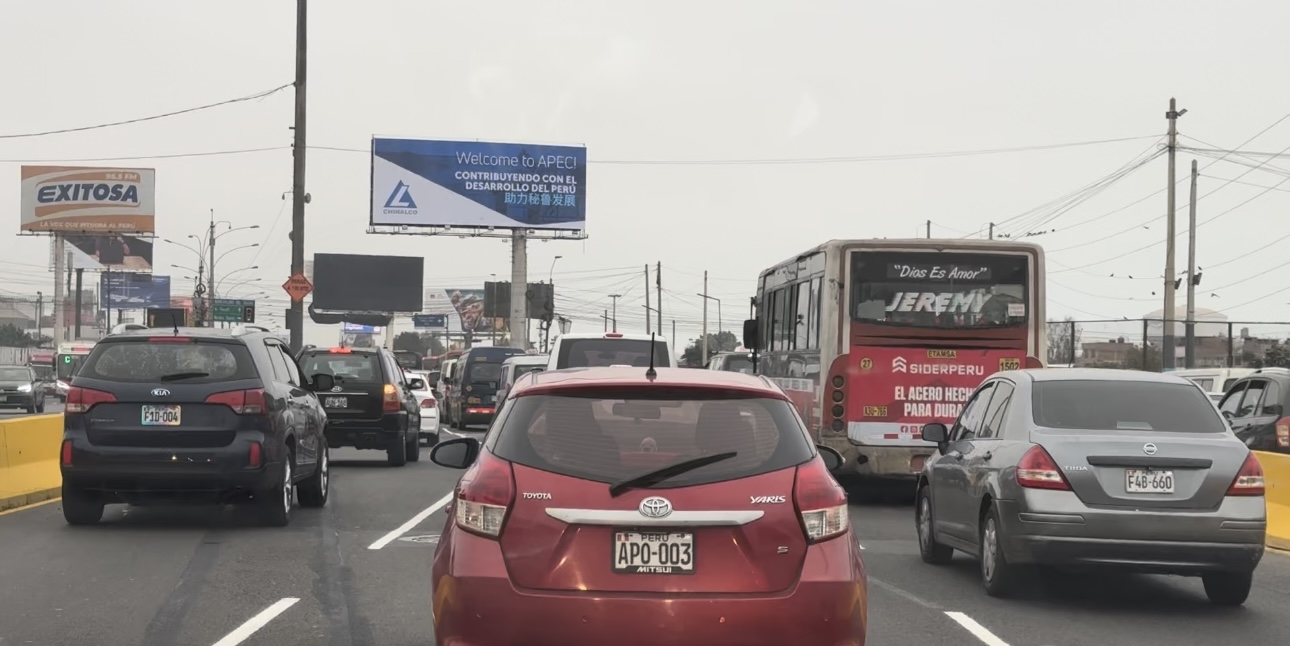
<point x="227" y="310"/>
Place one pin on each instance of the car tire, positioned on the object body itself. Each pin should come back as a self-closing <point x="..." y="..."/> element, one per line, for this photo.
<point x="432" y="439"/>
<point x="1228" y="588"/>
<point x="414" y="447"/>
<point x="998" y="577"/>
<point x="31" y="409"/>
<point x="79" y="507"/>
<point x="313" y="492"/>
<point x="276" y="502"/>
<point x="397" y="452"/>
<point x="40" y="408"/>
<point x="931" y="551"/>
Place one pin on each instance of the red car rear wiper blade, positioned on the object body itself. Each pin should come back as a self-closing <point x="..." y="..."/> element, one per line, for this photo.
<point x="647" y="480"/>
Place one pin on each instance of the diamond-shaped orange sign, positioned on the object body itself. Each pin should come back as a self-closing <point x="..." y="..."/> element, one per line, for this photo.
<point x="298" y="287"/>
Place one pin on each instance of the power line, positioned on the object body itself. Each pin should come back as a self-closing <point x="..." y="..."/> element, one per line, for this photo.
<point x="113" y="124"/>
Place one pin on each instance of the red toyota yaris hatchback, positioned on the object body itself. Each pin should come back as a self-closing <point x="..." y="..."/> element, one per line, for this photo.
<point x="608" y="506"/>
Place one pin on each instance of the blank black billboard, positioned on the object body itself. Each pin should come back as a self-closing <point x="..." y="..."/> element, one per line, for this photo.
<point x="497" y="300"/>
<point x="360" y="283"/>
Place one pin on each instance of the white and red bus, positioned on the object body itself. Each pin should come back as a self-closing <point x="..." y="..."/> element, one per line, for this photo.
<point x="874" y="338"/>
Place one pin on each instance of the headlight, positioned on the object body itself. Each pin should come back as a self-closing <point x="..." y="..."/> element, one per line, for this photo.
<point x="25" y="388"/>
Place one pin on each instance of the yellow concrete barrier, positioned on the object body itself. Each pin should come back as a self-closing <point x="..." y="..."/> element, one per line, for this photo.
<point x="29" y="460"/>
<point x="1276" y="481"/>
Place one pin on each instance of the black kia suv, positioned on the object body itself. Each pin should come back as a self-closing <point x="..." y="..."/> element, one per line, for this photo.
<point x="369" y="405"/>
<point x="193" y="414"/>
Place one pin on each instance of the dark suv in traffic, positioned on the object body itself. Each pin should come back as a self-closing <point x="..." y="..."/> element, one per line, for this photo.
<point x="1257" y="407"/>
<point x="370" y="404"/>
<point x="193" y="414"/>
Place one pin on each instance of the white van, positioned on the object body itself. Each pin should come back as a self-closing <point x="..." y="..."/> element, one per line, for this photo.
<point x="515" y="367"/>
<point x="1215" y="381"/>
<point x="588" y="350"/>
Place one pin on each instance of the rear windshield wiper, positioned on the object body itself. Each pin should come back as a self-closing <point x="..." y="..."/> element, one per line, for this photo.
<point x="647" y="480"/>
<point x="176" y="376"/>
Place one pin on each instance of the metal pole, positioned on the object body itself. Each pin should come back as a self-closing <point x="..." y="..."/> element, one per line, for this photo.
<point x="80" y="277"/>
<point x="296" y="320"/>
<point x="704" y="359"/>
<point x="1167" y="348"/>
<point x="929" y="229"/>
<point x="60" y="258"/>
<point x="673" y="335"/>
<point x="605" y="318"/>
<point x="519" y="289"/>
<point x="615" y="298"/>
<point x="647" y="307"/>
<point x="40" y="316"/>
<point x="658" y="284"/>
<point x="1191" y="270"/>
<point x="992" y="231"/>
<point x="210" y="276"/>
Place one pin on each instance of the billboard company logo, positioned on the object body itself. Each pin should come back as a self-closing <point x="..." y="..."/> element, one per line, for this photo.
<point x="400" y="201"/>
<point x="899" y="365"/>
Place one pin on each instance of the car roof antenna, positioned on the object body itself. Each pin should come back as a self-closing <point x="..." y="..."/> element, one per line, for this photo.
<point x="174" y="322"/>
<point x="651" y="374"/>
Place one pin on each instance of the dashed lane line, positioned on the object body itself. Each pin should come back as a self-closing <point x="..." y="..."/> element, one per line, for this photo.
<point x="257" y="622"/>
<point x="980" y="632"/>
<point x="416" y="520"/>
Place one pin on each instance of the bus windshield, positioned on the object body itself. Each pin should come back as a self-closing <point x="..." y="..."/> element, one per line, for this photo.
<point x="939" y="290"/>
<point x="67" y="365"/>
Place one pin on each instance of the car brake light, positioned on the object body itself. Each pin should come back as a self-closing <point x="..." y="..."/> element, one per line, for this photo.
<point x="81" y="400"/>
<point x="613" y="335"/>
<point x="340" y="351"/>
<point x="169" y="339"/>
<point x="1283" y="432"/>
<point x="1249" y="480"/>
<point x="243" y="402"/>
<point x="1038" y="470"/>
<point x="65" y="456"/>
<point x="428" y="403"/>
<point x="821" y="501"/>
<point x="390" y="399"/>
<point x="255" y="456"/>
<point x="484" y="496"/>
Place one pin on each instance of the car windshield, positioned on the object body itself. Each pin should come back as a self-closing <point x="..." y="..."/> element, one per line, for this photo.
<point x="356" y="367"/>
<point x="14" y="374"/>
<point x="1124" y="405"/>
<point x="942" y="290"/>
<point x="147" y="362"/>
<point x="613" y="436"/>
<point x="592" y="353"/>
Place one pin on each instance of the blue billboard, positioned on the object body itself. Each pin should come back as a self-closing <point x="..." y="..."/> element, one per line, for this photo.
<point x="128" y="291"/>
<point x="473" y="184"/>
<point x="354" y="328"/>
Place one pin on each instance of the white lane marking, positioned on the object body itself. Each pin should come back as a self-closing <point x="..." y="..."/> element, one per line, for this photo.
<point x="257" y="622"/>
<point x="406" y="527"/>
<point x="904" y="593"/>
<point x="988" y="638"/>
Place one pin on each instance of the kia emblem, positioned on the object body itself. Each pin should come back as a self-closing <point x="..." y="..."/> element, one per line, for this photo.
<point x="160" y="392"/>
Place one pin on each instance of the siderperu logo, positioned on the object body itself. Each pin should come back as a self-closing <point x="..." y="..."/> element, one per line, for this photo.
<point x="768" y="500"/>
<point x="899" y="365"/>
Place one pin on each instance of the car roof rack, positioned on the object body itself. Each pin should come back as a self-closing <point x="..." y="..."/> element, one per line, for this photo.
<point x="1273" y="369"/>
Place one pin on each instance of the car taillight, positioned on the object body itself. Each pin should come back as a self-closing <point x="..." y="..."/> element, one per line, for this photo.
<point x="1249" y="480"/>
<point x="65" y="456"/>
<point x="243" y="402"/>
<point x="390" y="399"/>
<point x="428" y="403"/>
<point x="1283" y="432"/>
<point x="1038" y="470"/>
<point x="485" y="495"/>
<point x="81" y="400"/>
<point x="821" y="501"/>
<point x="255" y="455"/>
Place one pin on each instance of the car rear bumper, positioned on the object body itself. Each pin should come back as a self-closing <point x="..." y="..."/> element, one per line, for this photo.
<point x="429" y="421"/>
<point x="1067" y="533"/>
<point x="476" y="604"/>
<point x="473" y="414"/>
<point x="126" y="473"/>
<point x="367" y="434"/>
<point x="17" y="400"/>
<point x="886" y="462"/>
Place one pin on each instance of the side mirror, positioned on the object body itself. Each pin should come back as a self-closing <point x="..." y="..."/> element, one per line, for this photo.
<point x="416" y="384"/>
<point x="1227" y="415"/>
<point x="323" y="382"/>
<point x="456" y="454"/>
<point x="936" y="432"/>
<point x="832" y="459"/>
<point x="752" y="336"/>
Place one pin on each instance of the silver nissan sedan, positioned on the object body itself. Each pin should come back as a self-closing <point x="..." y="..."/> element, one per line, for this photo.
<point x="1091" y="468"/>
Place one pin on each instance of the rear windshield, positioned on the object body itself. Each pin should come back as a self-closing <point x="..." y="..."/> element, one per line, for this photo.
<point x="593" y="353"/>
<point x="1125" y="406"/>
<point x="14" y="374"/>
<point x="521" y="370"/>
<point x="737" y="363"/>
<point x="349" y="367"/>
<point x="194" y="362"/>
<point x="478" y="372"/>
<point x="609" y="439"/>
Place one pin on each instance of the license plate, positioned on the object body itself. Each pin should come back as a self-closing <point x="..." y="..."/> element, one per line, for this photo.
<point x="1148" y="481"/>
<point x="336" y="402"/>
<point x="654" y="552"/>
<point x="160" y="416"/>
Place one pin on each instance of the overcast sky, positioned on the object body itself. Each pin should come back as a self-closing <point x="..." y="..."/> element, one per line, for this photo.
<point x="687" y="81"/>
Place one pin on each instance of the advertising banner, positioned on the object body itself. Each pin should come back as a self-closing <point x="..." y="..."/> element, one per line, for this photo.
<point x="366" y="283"/>
<point x="107" y="252"/>
<point x="464" y="309"/>
<point x="78" y="199"/>
<point x="472" y="184"/>
<point x="134" y="291"/>
<point x="895" y="391"/>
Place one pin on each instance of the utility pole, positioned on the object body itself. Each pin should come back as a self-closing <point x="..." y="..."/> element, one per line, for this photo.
<point x="211" y="273"/>
<point x="992" y="231"/>
<point x="704" y="360"/>
<point x="647" y="307"/>
<point x="296" y="314"/>
<point x="80" y="278"/>
<point x="673" y="335"/>
<point x="60" y="258"/>
<point x="615" y="298"/>
<point x="658" y="284"/>
<point x="605" y="317"/>
<point x="1190" y="357"/>
<point x="929" y="229"/>
<point x="1168" y="349"/>
<point x="40" y="316"/>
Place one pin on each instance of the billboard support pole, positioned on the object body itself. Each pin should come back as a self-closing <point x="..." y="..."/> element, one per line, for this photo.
<point x="80" y="277"/>
<point x="519" y="287"/>
<point x="60" y="258"/>
<point x="296" y="318"/>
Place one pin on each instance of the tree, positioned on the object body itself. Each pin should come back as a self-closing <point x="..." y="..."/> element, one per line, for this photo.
<point x="1148" y="359"/>
<point x="1277" y="356"/>
<point x="720" y="342"/>
<point x="11" y="336"/>
<point x="1063" y="340"/>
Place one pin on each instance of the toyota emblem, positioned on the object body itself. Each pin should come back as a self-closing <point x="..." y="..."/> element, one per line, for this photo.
<point x="160" y="392"/>
<point x="655" y="507"/>
<point x="1149" y="448"/>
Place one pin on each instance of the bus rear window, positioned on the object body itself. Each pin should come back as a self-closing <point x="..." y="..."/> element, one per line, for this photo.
<point x="939" y="290"/>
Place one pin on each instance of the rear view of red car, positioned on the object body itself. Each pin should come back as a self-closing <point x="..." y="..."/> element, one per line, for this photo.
<point x="605" y="507"/>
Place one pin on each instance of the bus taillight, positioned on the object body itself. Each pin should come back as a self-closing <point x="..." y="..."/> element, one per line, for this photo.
<point x="1033" y="362"/>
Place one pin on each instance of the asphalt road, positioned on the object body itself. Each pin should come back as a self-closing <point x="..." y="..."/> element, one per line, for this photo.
<point x="156" y="576"/>
<point x="51" y="406"/>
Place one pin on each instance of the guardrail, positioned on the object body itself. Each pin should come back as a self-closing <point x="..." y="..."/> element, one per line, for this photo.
<point x="1276" y="481"/>
<point x="29" y="460"/>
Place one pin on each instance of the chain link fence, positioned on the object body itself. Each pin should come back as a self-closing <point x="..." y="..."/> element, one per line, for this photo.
<point x="1140" y="344"/>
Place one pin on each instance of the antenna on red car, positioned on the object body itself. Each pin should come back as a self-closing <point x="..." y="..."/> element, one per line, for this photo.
<point x="651" y="373"/>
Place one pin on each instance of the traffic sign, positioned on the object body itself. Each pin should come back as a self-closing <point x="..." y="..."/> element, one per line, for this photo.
<point x="429" y="320"/>
<point x="230" y="310"/>
<point x="298" y="287"/>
